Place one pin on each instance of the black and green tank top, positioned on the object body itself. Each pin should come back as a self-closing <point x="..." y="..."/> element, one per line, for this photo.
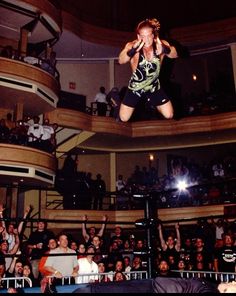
<point x="145" y="77"/>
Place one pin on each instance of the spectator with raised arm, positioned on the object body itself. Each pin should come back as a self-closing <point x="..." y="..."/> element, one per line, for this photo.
<point x="9" y="231"/>
<point x="91" y="232"/>
<point x="4" y="249"/>
<point x="16" y="271"/>
<point x="170" y="246"/>
<point x="20" y="268"/>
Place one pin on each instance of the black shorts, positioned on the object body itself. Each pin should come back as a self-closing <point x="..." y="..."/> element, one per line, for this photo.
<point x="157" y="98"/>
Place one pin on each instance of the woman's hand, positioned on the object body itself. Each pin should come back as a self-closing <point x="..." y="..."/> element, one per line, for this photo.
<point x="138" y="45"/>
<point x="159" y="47"/>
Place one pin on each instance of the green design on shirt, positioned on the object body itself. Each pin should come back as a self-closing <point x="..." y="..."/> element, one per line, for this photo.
<point x="145" y="77"/>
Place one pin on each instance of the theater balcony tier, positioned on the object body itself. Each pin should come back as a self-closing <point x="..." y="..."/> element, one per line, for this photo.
<point x="28" y="86"/>
<point x="24" y="166"/>
<point x="105" y="134"/>
<point x="72" y="219"/>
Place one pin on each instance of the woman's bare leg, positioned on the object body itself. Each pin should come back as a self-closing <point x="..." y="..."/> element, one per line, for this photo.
<point x="166" y="110"/>
<point x="125" y="112"/>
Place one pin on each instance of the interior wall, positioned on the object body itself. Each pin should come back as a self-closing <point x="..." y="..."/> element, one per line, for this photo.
<point x="208" y="68"/>
<point x="126" y="163"/>
<point x="183" y="72"/>
<point x="88" y="77"/>
<point x="96" y="164"/>
<point x="122" y="75"/>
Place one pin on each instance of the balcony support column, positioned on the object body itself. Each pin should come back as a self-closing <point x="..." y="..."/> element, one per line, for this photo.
<point x="23" y="42"/>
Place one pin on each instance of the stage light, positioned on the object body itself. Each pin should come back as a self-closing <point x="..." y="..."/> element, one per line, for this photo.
<point x="182" y="185"/>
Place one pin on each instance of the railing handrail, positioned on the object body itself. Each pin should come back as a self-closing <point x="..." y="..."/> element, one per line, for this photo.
<point x="98" y="276"/>
<point x="15" y="279"/>
<point x="217" y="275"/>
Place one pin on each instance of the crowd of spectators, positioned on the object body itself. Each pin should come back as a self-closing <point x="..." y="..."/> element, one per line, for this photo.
<point x="187" y="183"/>
<point x="211" y="247"/>
<point x="208" y="103"/>
<point x="47" y="64"/>
<point x="29" y="132"/>
<point x="207" y="246"/>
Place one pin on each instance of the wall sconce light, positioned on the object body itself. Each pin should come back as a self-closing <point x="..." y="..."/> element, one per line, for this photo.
<point x="194" y="77"/>
<point x="151" y="157"/>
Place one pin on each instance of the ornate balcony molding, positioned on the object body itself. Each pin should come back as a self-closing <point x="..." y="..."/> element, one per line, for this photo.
<point x="113" y="136"/>
<point x="28" y="85"/>
<point x="26" y="166"/>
